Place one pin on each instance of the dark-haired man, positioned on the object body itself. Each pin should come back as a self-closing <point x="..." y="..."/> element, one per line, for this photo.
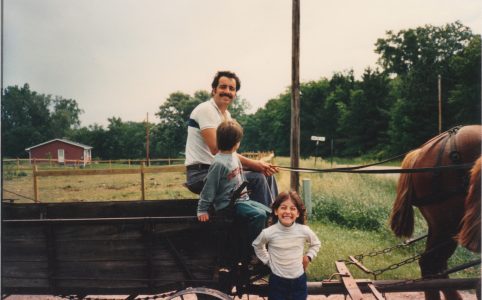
<point x="201" y="142"/>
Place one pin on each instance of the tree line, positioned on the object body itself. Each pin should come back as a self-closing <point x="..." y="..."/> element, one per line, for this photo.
<point x="388" y="111"/>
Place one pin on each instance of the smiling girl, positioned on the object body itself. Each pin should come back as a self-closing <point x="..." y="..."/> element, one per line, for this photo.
<point x="281" y="247"/>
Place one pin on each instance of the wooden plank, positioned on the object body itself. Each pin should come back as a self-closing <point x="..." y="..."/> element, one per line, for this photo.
<point x="360" y="265"/>
<point x="80" y="172"/>
<point x="87" y="172"/>
<point x="328" y="287"/>
<point x="151" y="208"/>
<point x="25" y="269"/>
<point x="171" y="168"/>
<point x="143" y="184"/>
<point x="105" y="252"/>
<point x="349" y="282"/>
<point x="375" y="292"/>
<point x="35" y="184"/>
<point x="51" y="253"/>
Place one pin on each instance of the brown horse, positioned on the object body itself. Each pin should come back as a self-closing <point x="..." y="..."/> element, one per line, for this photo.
<point x="469" y="235"/>
<point x="440" y="196"/>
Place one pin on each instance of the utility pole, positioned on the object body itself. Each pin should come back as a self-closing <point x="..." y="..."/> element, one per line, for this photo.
<point x="439" y="77"/>
<point x="148" y="163"/>
<point x="295" y="96"/>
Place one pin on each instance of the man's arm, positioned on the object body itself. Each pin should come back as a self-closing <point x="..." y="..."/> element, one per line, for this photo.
<point x="209" y="136"/>
<point x="258" y="165"/>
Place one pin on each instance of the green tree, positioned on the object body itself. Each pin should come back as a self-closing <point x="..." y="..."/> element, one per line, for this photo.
<point x="125" y="139"/>
<point x="25" y="120"/>
<point x="65" y="116"/>
<point x="366" y="117"/>
<point x="312" y="122"/>
<point x="417" y="56"/>
<point x="463" y="104"/>
<point x="30" y="118"/>
<point x="169" y="136"/>
<point x="269" y="128"/>
<point x="95" y="136"/>
<point x="238" y="108"/>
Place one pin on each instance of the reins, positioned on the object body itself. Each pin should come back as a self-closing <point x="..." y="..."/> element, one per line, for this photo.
<point x="380" y="171"/>
<point x="437" y="168"/>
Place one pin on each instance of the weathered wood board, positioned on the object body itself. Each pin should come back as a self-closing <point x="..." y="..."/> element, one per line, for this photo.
<point x="107" y="247"/>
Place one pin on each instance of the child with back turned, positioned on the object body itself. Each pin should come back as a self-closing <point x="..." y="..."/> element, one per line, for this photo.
<point x="224" y="177"/>
<point x="281" y="247"/>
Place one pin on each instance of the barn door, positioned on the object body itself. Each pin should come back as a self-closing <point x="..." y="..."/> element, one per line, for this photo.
<point x="60" y="155"/>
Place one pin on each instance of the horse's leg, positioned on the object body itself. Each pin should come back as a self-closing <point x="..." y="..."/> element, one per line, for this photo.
<point x="426" y="264"/>
<point x="448" y="252"/>
<point x="438" y="251"/>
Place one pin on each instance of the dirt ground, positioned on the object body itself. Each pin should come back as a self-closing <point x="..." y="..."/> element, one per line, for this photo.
<point x="389" y="296"/>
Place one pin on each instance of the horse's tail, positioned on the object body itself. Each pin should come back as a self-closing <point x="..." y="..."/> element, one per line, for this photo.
<point x="401" y="218"/>
<point x="469" y="234"/>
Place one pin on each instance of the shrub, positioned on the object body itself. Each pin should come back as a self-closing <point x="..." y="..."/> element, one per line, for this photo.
<point x="349" y="213"/>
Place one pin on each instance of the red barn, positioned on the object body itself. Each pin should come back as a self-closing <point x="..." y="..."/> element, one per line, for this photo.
<point x="62" y="151"/>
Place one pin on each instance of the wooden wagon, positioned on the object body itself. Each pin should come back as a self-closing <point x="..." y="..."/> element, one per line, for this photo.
<point x="131" y="247"/>
<point x="142" y="248"/>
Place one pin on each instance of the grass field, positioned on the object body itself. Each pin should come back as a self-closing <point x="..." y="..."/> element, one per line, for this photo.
<point x="350" y="211"/>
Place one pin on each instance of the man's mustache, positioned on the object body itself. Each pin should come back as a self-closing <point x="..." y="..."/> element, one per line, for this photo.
<point x="226" y="95"/>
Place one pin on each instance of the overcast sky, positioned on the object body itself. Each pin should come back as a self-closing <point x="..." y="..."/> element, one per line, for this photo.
<point x="124" y="57"/>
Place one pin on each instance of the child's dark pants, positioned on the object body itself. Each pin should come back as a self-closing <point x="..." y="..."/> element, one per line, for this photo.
<point x="287" y="289"/>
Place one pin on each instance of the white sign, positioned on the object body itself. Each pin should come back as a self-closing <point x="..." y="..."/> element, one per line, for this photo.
<point x="318" y="138"/>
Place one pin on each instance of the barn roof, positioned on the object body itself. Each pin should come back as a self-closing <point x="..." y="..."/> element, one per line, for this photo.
<point x="60" y="140"/>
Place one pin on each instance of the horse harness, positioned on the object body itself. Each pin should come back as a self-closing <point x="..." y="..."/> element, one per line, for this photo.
<point x="438" y="194"/>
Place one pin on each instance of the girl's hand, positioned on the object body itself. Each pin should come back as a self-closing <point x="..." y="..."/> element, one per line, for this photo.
<point x="306" y="262"/>
<point x="203" y="218"/>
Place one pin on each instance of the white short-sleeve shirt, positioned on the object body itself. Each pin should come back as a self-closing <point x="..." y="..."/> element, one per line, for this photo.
<point x="207" y="115"/>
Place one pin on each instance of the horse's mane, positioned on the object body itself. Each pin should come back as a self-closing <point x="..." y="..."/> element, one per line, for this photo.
<point x="469" y="235"/>
<point x="401" y="218"/>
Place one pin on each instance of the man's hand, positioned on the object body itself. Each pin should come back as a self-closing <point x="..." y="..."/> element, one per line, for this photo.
<point x="203" y="218"/>
<point x="266" y="168"/>
<point x="258" y="166"/>
<point x="306" y="262"/>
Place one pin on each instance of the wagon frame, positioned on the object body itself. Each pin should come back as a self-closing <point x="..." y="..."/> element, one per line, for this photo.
<point x="143" y="248"/>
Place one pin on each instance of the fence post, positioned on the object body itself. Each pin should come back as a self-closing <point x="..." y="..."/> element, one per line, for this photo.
<point x="307" y="196"/>
<point x="35" y="184"/>
<point x="18" y="166"/>
<point x="143" y="196"/>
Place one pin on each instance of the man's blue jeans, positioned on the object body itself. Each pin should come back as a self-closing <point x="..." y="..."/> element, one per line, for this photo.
<point x="254" y="215"/>
<point x="287" y="289"/>
<point x="262" y="189"/>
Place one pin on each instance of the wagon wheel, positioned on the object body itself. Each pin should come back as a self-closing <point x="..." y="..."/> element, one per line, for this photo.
<point x="201" y="292"/>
